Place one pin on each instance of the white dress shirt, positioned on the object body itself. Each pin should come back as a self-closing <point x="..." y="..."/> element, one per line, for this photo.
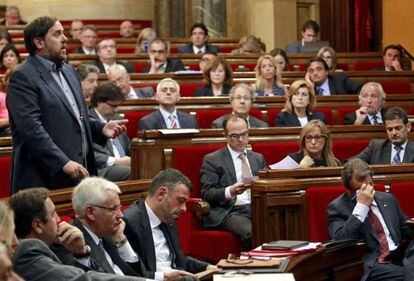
<point x="325" y="87"/>
<point x="379" y="118"/>
<point x="131" y="94"/>
<point x="197" y="50"/>
<point x="87" y="52"/>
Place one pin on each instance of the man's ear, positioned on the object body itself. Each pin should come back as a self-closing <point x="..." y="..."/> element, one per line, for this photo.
<point x="162" y="192"/>
<point x="38" y="42"/>
<point x="90" y="213"/>
<point x="409" y="126"/>
<point x="37" y="226"/>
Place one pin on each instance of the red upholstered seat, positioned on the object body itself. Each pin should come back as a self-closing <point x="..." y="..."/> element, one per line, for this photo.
<point x="140" y="66"/>
<point x="5" y="167"/>
<point x="275" y="151"/>
<point x="271" y="116"/>
<point x="188" y="90"/>
<point x="396" y="87"/>
<point x="344" y="149"/>
<point x="342" y="66"/>
<point x="318" y="199"/>
<point x="125" y="50"/>
<point x="133" y="119"/>
<point x="404" y="192"/>
<point x="342" y="112"/>
<point x="367" y="65"/>
<point x="227" y="49"/>
<point x="328" y="115"/>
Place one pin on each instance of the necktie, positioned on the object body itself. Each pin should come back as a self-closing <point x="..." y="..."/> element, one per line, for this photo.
<point x="164" y="228"/>
<point x="119" y="147"/>
<point x="199" y="52"/>
<point x="320" y="91"/>
<point x="246" y="173"/>
<point x="397" y="158"/>
<point x="174" y="124"/>
<point x="375" y="118"/>
<point x="382" y="239"/>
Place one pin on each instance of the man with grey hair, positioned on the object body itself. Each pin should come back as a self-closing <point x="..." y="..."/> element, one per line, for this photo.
<point x="12" y="17"/>
<point x="167" y="116"/>
<point x="119" y="75"/>
<point x="241" y="100"/>
<point x="88" y="38"/>
<point x="106" y="50"/>
<point x="372" y="111"/>
<point x="372" y="216"/>
<point x="76" y="27"/>
<point x="88" y="75"/>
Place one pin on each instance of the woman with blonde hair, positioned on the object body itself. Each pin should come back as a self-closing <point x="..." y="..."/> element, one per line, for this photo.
<point x="268" y="78"/>
<point x="219" y="78"/>
<point x="250" y="44"/>
<point x="329" y="56"/>
<point x="299" y="106"/>
<point x="145" y="37"/>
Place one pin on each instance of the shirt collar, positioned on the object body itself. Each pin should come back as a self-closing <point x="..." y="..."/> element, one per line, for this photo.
<point x="235" y="154"/>
<point x="95" y="238"/>
<point x="325" y="85"/>
<point x="103" y="119"/>
<point x="154" y="220"/>
<point x="202" y="49"/>
<point x="166" y="114"/>
<point x="93" y="52"/>
<point x="132" y="94"/>
<point x="402" y="145"/>
<point x="50" y="65"/>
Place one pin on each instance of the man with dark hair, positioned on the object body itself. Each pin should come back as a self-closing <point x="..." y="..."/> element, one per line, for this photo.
<point x="106" y="49"/>
<point x="392" y="58"/>
<point x="112" y="159"/>
<point x="375" y="217"/>
<point x="151" y="226"/>
<point x="88" y="38"/>
<point x="326" y="84"/>
<point x="12" y="17"/>
<point x="398" y="148"/>
<point x="226" y="175"/>
<point x="198" y="37"/>
<point x="52" y="133"/>
<point x="310" y="31"/>
<point x="76" y="27"/>
<point x="88" y="75"/>
<point x="160" y="63"/>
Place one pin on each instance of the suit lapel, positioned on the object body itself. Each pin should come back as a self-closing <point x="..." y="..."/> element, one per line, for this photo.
<point x="254" y="167"/>
<point x="383" y="206"/>
<point x="144" y="227"/>
<point x="409" y="152"/>
<point x="295" y="120"/>
<point x="386" y="155"/>
<point x="160" y="120"/>
<point x="228" y="161"/>
<point x="331" y="84"/>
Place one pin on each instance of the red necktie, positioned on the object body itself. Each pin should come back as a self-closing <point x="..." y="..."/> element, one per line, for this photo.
<point x="382" y="239"/>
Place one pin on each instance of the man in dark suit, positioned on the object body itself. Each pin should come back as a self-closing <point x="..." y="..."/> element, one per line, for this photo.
<point x="167" y="116"/>
<point x="106" y="49"/>
<point x="119" y="75"/>
<point x="392" y="59"/>
<point x="226" y="175"/>
<point x="199" y="37"/>
<point x="398" y="148"/>
<point x="12" y="17"/>
<point x="112" y="159"/>
<point x="310" y="31"/>
<point x="374" y="217"/>
<point x="151" y="226"/>
<point x="325" y="84"/>
<point x="408" y="262"/>
<point x="160" y="63"/>
<point x="241" y="100"/>
<point x="88" y="38"/>
<point x="52" y="133"/>
<point x="372" y="112"/>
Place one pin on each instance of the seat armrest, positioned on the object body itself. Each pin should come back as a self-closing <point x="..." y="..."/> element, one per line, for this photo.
<point x="199" y="207"/>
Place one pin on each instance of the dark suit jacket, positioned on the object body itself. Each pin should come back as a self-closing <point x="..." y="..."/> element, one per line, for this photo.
<point x="20" y="22"/>
<point x="343" y="225"/>
<point x="408" y="262"/>
<point x="46" y="132"/>
<point x="155" y="121"/>
<point x="99" y="64"/>
<point x="296" y="47"/>
<point x="207" y="91"/>
<point x="78" y="51"/>
<point x="173" y="65"/>
<point x="216" y="173"/>
<point x="350" y="118"/>
<point x="291" y="119"/>
<point x="99" y="256"/>
<point x="188" y="49"/>
<point x="340" y="84"/>
<point x="146" y="92"/>
<point x="139" y="233"/>
<point x="34" y="261"/>
<point x="253" y="122"/>
<point x="379" y="152"/>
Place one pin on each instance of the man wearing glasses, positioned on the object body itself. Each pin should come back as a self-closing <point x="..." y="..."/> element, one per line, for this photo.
<point x="160" y="63"/>
<point x="226" y="175"/>
<point x="106" y="50"/>
<point x="241" y="100"/>
<point x="113" y="158"/>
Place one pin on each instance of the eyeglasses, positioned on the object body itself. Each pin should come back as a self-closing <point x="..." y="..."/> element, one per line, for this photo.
<point x="113" y="105"/>
<point x="317" y="138"/>
<point x="160" y="52"/>
<point x="111" y="209"/>
<point x="237" y="136"/>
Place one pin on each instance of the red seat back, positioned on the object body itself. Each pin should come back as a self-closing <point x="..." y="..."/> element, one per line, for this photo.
<point x="396" y="87"/>
<point x="140" y="66"/>
<point x="206" y="117"/>
<point x="344" y="149"/>
<point x="328" y="115"/>
<point x="275" y="151"/>
<point x="133" y="119"/>
<point x="188" y="90"/>
<point x="342" y="112"/>
<point x="271" y="116"/>
<point x="342" y="66"/>
<point x="367" y="65"/>
<point x="5" y="167"/>
<point x="404" y="192"/>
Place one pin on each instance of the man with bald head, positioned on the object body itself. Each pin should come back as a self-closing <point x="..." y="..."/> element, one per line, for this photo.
<point x="76" y="27"/>
<point x="126" y="29"/>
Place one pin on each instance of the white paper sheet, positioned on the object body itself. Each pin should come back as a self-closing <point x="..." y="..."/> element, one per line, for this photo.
<point x="286" y="163"/>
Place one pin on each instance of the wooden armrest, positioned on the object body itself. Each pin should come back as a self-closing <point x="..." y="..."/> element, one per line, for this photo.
<point x="200" y="208"/>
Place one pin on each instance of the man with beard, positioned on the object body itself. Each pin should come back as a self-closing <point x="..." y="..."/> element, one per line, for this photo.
<point x="398" y="148"/>
<point x="52" y="133"/>
<point x="371" y="99"/>
<point x="151" y="226"/>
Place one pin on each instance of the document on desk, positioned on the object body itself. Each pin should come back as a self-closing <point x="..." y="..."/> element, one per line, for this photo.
<point x="286" y="163"/>
<point x="255" y="277"/>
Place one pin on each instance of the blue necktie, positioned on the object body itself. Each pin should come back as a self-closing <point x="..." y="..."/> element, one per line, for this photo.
<point x="320" y="91"/>
<point x="397" y="158"/>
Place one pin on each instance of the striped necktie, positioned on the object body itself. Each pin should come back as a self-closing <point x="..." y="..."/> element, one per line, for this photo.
<point x="173" y="123"/>
<point x="119" y="147"/>
<point x="382" y="239"/>
<point x="397" y="159"/>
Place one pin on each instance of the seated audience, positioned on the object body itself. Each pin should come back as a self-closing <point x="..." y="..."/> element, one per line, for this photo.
<point x="392" y="59"/>
<point x="76" y="27"/>
<point x="107" y="56"/>
<point x="12" y="17"/>
<point x="281" y="58"/>
<point x="205" y="60"/>
<point x="199" y="37"/>
<point x="315" y="147"/>
<point x="268" y="78"/>
<point x="329" y="56"/>
<point x="374" y="217"/>
<point x="372" y="111"/>
<point x="310" y="31"/>
<point x="118" y="74"/>
<point x="299" y="106"/>
<point x="326" y="84"/>
<point x="241" y="100"/>
<point x="145" y="37"/>
<point x="88" y="38"/>
<point x="152" y="229"/>
<point x="226" y="175"/>
<point x="398" y="148"/>
<point x="160" y="63"/>
<point x="88" y="75"/>
<point x="250" y="44"/>
<point x="113" y="159"/>
<point x="4" y="116"/>
<point x="5" y="38"/>
<point x="9" y="57"/>
<point x="219" y="78"/>
<point x="167" y="116"/>
<point x="126" y="29"/>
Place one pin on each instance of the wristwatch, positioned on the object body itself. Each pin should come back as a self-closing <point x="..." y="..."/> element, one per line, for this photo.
<point x="121" y="243"/>
<point x="86" y="254"/>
